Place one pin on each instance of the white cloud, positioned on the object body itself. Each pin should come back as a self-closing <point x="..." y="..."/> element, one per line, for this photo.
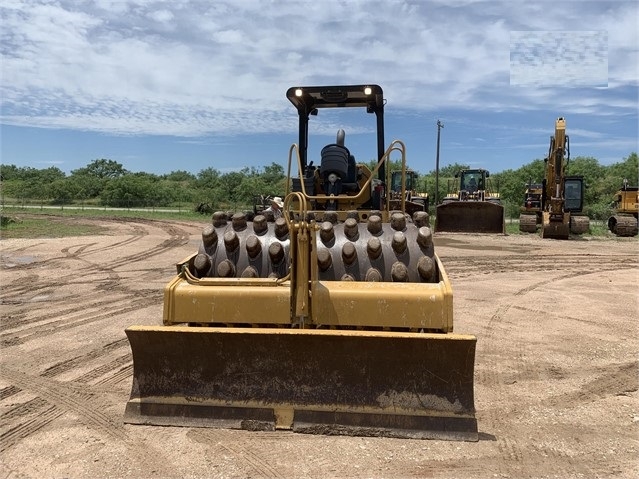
<point x="194" y="68"/>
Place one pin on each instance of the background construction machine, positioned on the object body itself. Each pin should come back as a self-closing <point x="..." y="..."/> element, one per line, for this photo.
<point x="563" y="195"/>
<point x="335" y="319"/>
<point x="471" y="205"/>
<point x="530" y="211"/>
<point x="405" y="184"/>
<point x="626" y="204"/>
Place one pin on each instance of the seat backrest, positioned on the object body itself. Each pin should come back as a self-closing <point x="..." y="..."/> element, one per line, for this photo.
<point x="335" y="159"/>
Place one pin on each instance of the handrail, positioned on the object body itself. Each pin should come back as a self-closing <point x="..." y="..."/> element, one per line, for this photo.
<point x="395" y="145"/>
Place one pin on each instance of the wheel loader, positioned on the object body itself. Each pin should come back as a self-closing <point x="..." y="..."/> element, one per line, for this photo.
<point x="563" y="196"/>
<point x="471" y="205"/>
<point x="336" y="318"/>
<point x="415" y="200"/>
<point x="624" y="220"/>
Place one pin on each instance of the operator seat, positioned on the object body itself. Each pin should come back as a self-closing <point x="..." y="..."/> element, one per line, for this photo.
<point x="338" y="168"/>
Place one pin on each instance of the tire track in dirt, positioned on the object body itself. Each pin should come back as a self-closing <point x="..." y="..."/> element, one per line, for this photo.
<point x="19" y="284"/>
<point x="260" y="466"/>
<point x="8" y="392"/>
<point x="55" y="398"/>
<point x="471" y="266"/>
<point x="513" y="452"/>
<point x="623" y="380"/>
<point x="177" y="237"/>
<point x="77" y="361"/>
<point x="68" y="397"/>
<point x="100" y="371"/>
<point x="243" y="453"/>
<point x="22" y="409"/>
<point x="45" y="316"/>
<point x="36" y="332"/>
<point x="28" y="425"/>
<point x="125" y="373"/>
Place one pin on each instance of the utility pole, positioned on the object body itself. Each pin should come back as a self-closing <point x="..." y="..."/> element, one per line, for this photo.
<point x="440" y="125"/>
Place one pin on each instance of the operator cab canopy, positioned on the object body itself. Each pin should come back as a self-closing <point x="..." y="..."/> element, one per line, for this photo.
<point x="308" y="100"/>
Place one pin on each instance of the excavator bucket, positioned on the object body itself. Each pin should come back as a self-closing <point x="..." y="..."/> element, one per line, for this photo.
<point x="408" y="385"/>
<point x="557" y="228"/>
<point x="470" y="217"/>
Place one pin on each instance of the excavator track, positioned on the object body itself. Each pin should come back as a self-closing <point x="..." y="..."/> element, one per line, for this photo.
<point x="579" y="224"/>
<point x="528" y="223"/>
<point x="623" y="225"/>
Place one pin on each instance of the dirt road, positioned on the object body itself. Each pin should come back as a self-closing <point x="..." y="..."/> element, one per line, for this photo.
<point x="556" y="369"/>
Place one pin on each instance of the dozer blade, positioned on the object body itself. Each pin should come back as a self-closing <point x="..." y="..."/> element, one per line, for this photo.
<point x="363" y="383"/>
<point x="470" y="217"/>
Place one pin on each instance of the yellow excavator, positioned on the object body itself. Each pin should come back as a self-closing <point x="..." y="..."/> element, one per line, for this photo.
<point x="563" y="196"/>
<point x="336" y="318"/>
<point x="471" y="205"/>
<point x="624" y="220"/>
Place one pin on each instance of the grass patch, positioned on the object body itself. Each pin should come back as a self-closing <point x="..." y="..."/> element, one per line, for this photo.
<point x="598" y="229"/>
<point x="60" y="223"/>
<point x="46" y="227"/>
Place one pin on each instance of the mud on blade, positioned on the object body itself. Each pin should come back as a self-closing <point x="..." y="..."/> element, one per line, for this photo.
<point x="412" y="385"/>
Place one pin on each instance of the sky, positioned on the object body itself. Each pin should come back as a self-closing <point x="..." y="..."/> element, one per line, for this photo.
<point x="162" y="86"/>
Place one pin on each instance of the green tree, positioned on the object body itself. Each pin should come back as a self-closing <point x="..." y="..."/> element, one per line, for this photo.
<point x="102" y="168"/>
<point x="136" y="190"/>
<point x="628" y="168"/>
<point x="63" y="191"/>
<point x="230" y="190"/>
<point x="180" y="176"/>
<point x="207" y="187"/>
<point x="93" y="178"/>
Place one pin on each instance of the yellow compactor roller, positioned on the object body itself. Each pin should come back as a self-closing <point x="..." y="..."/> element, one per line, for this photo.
<point x="336" y="318"/>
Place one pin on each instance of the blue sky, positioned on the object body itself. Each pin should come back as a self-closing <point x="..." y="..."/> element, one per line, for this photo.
<point x="160" y="86"/>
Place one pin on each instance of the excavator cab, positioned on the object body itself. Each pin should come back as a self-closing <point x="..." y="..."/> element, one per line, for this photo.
<point x="574" y="194"/>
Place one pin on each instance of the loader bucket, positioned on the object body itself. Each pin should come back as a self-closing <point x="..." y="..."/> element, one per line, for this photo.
<point x="470" y="217"/>
<point x="320" y="381"/>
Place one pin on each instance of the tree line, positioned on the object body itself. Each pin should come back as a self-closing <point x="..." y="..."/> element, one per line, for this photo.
<point x="107" y="183"/>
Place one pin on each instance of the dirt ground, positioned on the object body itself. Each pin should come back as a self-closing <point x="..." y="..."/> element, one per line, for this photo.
<point x="556" y="374"/>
